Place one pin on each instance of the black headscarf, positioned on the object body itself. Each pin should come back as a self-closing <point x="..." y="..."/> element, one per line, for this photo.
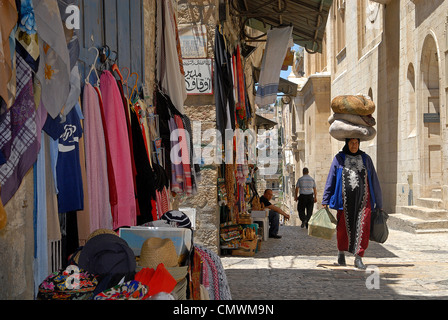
<point x="346" y="149"/>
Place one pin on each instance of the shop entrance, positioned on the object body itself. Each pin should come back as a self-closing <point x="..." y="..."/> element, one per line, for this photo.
<point x="431" y="158"/>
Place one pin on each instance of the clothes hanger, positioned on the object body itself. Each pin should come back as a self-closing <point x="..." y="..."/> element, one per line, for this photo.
<point x="135" y="86"/>
<point x="125" y="82"/>
<point x="93" y="67"/>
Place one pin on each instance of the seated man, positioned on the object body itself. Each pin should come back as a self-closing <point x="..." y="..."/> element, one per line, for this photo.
<point x="274" y="214"/>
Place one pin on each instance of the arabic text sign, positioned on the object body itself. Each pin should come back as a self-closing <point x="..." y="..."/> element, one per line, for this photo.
<point x="198" y="76"/>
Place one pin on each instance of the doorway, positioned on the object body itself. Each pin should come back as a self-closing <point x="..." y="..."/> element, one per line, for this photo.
<point x="431" y="140"/>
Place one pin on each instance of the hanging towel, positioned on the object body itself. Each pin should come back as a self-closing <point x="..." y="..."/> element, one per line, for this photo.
<point x="276" y="47"/>
<point x="124" y="213"/>
<point x="96" y="162"/>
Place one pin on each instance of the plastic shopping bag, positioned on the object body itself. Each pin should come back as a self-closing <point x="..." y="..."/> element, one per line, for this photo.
<point x="322" y="224"/>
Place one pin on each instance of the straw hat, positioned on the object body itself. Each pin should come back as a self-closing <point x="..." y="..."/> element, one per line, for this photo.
<point x="101" y="231"/>
<point x="156" y="251"/>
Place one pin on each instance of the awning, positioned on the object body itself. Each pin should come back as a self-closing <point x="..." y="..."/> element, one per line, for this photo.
<point x="307" y="17"/>
<point x="262" y="121"/>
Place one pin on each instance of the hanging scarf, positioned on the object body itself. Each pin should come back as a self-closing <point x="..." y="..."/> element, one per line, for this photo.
<point x="27" y="43"/>
<point x="54" y="67"/>
<point x="18" y="135"/>
<point x="8" y="14"/>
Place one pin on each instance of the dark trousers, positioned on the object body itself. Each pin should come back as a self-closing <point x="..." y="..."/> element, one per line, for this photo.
<point x="274" y="223"/>
<point x="305" y="207"/>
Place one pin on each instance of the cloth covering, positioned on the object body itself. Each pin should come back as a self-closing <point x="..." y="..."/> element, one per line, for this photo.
<point x="341" y="130"/>
<point x="368" y="121"/>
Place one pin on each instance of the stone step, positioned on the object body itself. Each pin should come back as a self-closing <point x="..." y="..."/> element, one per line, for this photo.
<point x="407" y="223"/>
<point x="432" y="203"/>
<point x="424" y="213"/>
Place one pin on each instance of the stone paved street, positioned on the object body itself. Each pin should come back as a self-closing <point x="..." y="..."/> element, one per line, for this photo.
<point x="298" y="267"/>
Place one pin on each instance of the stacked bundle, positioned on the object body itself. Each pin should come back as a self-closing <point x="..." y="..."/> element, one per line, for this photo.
<point x="352" y="118"/>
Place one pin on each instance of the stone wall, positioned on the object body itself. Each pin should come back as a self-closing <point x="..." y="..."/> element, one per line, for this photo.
<point x="202" y="109"/>
<point x="17" y="245"/>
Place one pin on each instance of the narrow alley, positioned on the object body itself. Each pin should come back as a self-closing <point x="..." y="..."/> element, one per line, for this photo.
<point x="299" y="267"/>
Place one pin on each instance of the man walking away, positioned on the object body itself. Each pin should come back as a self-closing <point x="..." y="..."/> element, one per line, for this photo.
<point x="308" y="197"/>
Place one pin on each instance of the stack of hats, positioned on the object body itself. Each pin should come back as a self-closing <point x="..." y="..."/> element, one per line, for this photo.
<point x="352" y="118"/>
<point x="158" y="267"/>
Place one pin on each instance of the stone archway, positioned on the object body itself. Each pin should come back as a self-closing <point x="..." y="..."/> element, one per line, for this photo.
<point x="430" y="135"/>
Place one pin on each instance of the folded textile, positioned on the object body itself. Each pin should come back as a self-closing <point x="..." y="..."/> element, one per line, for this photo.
<point x="341" y="130"/>
<point x="367" y="121"/>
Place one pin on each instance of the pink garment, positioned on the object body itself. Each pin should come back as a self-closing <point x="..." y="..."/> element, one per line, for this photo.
<point x="124" y="213"/>
<point x="96" y="162"/>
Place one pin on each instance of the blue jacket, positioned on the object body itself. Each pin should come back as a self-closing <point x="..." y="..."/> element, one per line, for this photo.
<point x="333" y="188"/>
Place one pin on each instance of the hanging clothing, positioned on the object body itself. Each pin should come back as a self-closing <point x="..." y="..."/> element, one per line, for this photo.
<point x="184" y="156"/>
<point x="8" y="12"/>
<point x="275" y="53"/>
<point x="124" y="213"/>
<point x="18" y="134"/>
<point x="53" y="228"/>
<point x="96" y="162"/>
<point x="113" y="198"/>
<point x="27" y="43"/>
<point x="68" y="168"/>
<point x="170" y="72"/>
<point x="126" y="106"/>
<point x="145" y="177"/>
<point x="40" y="220"/>
<point x="54" y="67"/>
<point x="223" y="86"/>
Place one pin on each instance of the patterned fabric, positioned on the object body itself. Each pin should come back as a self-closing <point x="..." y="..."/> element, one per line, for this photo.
<point x="71" y="283"/>
<point x="18" y="135"/>
<point x="27" y="44"/>
<point x="219" y="287"/>
<point x="54" y="67"/>
<point x="354" y="230"/>
<point x="131" y="290"/>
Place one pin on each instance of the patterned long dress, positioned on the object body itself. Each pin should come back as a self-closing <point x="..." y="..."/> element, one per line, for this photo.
<point x="353" y="231"/>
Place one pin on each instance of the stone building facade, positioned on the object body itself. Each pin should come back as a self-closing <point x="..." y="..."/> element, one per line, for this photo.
<point x="395" y="52"/>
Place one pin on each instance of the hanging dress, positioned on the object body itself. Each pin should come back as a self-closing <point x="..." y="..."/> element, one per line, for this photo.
<point x="124" y="212"/>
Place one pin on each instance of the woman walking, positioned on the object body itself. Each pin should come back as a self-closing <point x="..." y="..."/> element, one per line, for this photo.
<point x="353" y="190"/>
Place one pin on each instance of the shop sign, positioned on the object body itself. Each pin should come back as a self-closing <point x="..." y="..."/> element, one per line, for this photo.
<point x="431" y="118"/>
<point x="198" y="76"/>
